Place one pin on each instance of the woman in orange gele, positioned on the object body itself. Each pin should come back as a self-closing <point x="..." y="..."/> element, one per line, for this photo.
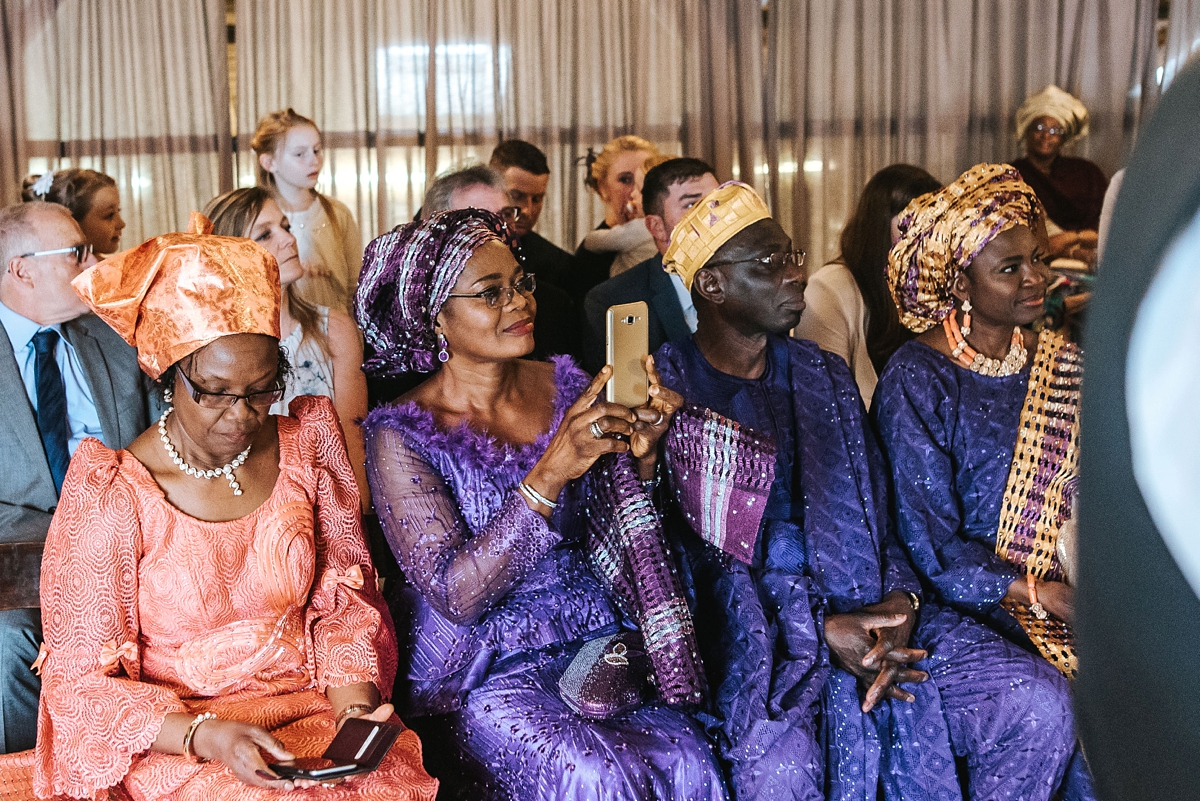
<point x="210" y="606"/>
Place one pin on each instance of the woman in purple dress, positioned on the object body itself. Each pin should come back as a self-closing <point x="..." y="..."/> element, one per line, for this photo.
<point x="521" y="524"/>
<point x="978" y="419"/>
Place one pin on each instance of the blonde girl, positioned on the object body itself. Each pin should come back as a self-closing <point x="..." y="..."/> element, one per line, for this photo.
<point x="289" y="156"/>
<point x="323" y="344"/>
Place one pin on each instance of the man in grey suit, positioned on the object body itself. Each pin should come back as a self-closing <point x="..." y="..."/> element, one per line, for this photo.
<point x="669" y="190"/>
<point x="64" y="376"/>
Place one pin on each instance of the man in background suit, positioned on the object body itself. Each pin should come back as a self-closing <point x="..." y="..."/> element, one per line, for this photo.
<point x="670" y="189"/>
<point x="526" y="175"/>
<point x="64" y="376"/>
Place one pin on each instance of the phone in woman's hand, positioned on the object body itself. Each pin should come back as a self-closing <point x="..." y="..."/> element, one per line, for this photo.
<point x="358" y="748"/>
<point x="626" y="346"/>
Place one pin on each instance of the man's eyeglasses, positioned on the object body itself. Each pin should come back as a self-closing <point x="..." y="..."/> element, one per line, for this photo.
<point x="784" y="259"/>
<point x="225" y="400"/>
<point x="510" y="214"/>
<point x="81" y="252"/>
<point x="1053" y="130"/>
<point x="501" y="296"/>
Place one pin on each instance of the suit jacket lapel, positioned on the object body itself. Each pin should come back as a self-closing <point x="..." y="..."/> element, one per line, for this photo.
<point x="100" y="382"/>
<point x="20" y="411"/>
<point x="666" y="305"/>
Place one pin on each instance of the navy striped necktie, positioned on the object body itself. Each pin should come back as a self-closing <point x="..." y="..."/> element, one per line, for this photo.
<point x="51" y="405"/>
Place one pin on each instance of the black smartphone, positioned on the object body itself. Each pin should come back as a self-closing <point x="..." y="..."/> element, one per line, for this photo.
<point x="358" y="748"/>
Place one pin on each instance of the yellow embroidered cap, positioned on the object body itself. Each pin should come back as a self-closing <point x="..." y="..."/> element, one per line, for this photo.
<point x="713" y="221"/>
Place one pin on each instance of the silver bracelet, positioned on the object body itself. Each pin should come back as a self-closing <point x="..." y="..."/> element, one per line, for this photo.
<point x="535" y="496"/>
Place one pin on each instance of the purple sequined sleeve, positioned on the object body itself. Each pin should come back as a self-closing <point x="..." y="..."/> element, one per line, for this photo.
<point x="916" y="406"/>
<point x="460" y="575"/>
<point x="721" y="473"/>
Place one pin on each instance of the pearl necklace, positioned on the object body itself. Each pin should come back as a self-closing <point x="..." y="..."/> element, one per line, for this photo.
<point x="967" y="356"/>
<point x="225" y="472"/>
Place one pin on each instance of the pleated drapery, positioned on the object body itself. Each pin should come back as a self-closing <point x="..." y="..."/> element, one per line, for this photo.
<point x="133" y="88"/>
<point x="565" y="76"/>
<point x="806" y="108"/>
<point x="860" y="84"/>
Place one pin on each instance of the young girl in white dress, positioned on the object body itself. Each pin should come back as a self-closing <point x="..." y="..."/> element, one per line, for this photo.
<point x="289" y="156"/>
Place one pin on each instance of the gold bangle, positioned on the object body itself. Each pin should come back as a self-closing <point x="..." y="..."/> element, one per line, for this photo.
<point x="345" y="713"/>
<point x="191" y="733"/>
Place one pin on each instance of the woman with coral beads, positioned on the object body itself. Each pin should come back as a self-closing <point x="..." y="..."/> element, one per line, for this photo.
<point x="979" y="419"/>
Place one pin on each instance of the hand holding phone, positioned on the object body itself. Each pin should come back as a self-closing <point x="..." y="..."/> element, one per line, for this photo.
<point x="358" y="748"/>
<point x="627" y="343"/>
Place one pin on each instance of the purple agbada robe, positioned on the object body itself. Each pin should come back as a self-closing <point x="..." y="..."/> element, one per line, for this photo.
<point x="949" y="435"/>
<point x="497" y="605"/>
<point x="787" y="724"/>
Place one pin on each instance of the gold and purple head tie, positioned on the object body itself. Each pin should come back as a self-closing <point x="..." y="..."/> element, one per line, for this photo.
<point x="942" y="232"/>
<point x="174" y="294"/>
<point x="407" y="275"/>
<point x="713" y="221"/>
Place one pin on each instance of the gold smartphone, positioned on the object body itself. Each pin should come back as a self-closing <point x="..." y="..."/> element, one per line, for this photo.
<point x="627" y="343"/>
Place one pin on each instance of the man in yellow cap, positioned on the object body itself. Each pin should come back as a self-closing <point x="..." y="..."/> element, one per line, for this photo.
<point x="824" y="678"/>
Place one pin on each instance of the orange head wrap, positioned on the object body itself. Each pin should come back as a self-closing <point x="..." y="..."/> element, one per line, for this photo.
<point x="176" y="293"/>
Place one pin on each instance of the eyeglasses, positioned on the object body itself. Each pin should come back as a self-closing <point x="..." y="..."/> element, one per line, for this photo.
<point x="777" y="262"/>
<point x="81" y="252"/>
<point x="493" y="295"/>
<point x="510" y="214"/>
<point x="1053" y="130"/>
<point x="225" y="400"/>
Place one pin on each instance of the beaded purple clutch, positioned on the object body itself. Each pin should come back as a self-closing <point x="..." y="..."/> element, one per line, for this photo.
<point x="608" y="676"/>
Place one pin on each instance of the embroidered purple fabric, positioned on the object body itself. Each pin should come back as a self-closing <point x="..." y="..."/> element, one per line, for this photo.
<point x="721" y="474"/>
<point x="626" y="548"/>
<point x="497" y="604"/>
<point x="786" y="722"/>
<point x="949" y="435"/>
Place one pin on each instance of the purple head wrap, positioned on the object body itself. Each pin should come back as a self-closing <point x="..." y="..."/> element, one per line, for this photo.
<point x="406" y="276"/>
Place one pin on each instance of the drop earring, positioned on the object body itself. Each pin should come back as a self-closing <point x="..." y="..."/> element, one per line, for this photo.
<point x="168" y="396"/>
<point x="443" y="353"/>
<point x="966" y="325"/>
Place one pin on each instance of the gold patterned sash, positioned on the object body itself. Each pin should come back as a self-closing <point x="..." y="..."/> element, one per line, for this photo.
<point x="1041" y="485"/>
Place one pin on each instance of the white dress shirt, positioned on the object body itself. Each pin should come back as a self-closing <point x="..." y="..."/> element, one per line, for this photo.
<point x="685" y="300"/>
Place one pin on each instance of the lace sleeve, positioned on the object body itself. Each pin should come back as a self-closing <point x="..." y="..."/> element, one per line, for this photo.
<point x="351" y="629"/>
<point x="461" y="574"/>
<point x="95" y="714"/>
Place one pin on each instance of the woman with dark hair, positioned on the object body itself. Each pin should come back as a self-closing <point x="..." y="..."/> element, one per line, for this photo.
<point x="518" y="506"/>
<point x="209" y="605"/>
<point x="323" y="344"/>
<point x="90" y="196"/>
<point x="848" y="308"/>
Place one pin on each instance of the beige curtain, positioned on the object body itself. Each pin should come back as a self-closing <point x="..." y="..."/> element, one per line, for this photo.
<point x="1183" y="38"/>
<point x="137" y="89"/>
<point x="860" y="84"/>
<point x="564" y="76"/>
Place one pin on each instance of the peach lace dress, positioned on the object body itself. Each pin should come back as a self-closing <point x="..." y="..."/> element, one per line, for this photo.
<point x="149" y="611"/>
